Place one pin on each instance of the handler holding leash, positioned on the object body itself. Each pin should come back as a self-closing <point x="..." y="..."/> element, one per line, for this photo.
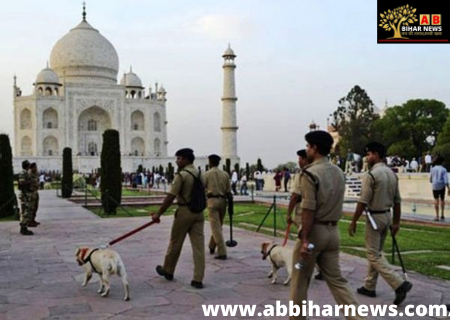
<point x="379" y="193"/>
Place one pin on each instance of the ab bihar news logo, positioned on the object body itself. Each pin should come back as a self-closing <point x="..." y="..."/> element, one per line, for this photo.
<point x="409" y="23"/>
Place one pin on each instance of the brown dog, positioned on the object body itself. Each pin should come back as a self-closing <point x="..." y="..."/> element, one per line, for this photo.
<point x="105" y="262"/>
<point x="279" y="257"/>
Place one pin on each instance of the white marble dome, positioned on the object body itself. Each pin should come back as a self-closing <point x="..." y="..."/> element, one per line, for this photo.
<point x="131" y="79"/>
<point x="47" y="76"/>
<point x="229" y="53"/>
<point x="84" y="55"/>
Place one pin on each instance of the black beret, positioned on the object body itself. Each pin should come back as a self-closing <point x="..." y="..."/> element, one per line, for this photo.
<point x="302" y="153"/>
<point x="319" y="138"/>
<point x="376" y="147"/>
<point x="25" y="163"/>
<point x="184" y="152"/>
<point x="214" y="157"/>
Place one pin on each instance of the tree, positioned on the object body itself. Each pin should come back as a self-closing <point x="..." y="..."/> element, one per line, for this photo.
<point x="237" y="168"/>
<point x="259" y="165"/>
<point x="394" y="19"/>
<point x="407" y="130"/>
<point x="111" y="172"/>
<point x="353" y="120"/>
<point x="67" y="178"/>
<point x="7" y="196"/>
<point x="290" y="165"/>
<point x="247" y="170"/>
<point x="443" y="144"/>
<point x="228" y="166"/>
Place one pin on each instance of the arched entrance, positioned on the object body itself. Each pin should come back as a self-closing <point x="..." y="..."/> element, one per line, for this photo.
<point x="92" y="122"/>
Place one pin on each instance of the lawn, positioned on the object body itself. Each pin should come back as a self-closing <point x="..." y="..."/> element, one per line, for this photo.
<point x="125" y="192"/>
<point x="423" y="247"/>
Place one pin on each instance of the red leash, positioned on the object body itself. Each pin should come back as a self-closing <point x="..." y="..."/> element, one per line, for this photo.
<point x="126" y="235"/>
<point x="286" y="236"/>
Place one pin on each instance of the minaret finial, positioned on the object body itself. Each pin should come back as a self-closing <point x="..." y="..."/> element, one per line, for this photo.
<point x="84" y="10"/>
<point x="47" y="64"/>
<point x="15" y="79"/>
<point x="131" y="68"/>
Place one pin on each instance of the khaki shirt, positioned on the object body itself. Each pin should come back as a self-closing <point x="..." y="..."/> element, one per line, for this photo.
<point x="380" y="192"/>
<point x="217" y="182"/>
<point x="183" y="183"/>
<point x="327" y="200"/>
<point x="297" y="190"/>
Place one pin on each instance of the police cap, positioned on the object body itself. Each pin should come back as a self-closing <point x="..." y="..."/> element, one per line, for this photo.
<point x="376" y="147"/>
<point x="184" y="152"/>
<point x="214" y="157"/>
<point x="302" y="153"/>
<point x="25" y="164"/>
<point x="321" y="139"/>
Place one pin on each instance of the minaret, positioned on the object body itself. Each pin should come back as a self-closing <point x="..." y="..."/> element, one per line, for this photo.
<point x="229" y="124"/>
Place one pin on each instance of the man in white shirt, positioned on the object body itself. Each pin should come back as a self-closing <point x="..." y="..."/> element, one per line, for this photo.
<point x="234" y="181"/>
<point x="428" y="162"/>
<point x="414" y="165"/>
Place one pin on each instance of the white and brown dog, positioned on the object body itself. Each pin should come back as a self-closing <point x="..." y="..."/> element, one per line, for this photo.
<point x="105" y="262"/>
<point x="278" y="257"/>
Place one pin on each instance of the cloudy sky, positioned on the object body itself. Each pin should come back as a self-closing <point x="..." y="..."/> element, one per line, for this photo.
<point x="295" y="60"/>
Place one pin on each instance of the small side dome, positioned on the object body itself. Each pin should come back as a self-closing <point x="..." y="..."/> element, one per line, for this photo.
<point x="47" y="76"/>
<point x="131" y="79"/>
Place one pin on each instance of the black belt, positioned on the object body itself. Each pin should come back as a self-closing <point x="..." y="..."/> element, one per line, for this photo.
<point x="379" y="211"/>
<point x="212" y="196"/>
<point x="326" y="223"/>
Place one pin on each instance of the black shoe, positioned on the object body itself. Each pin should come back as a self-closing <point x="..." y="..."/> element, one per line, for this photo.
<point x="221" y="257"/>
<point x="211" y="250"/>
<point x="161" y="272"/>
<point x="400" y="292"/>
<point x="366" y="292"/>
<point x="24" y="231"/>
<point x="442" y="218"/>
<point x="197" y="284"/>
<point x="319" y="276"/>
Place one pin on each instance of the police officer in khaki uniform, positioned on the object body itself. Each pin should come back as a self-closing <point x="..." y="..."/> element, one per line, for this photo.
<point x="294" y="203"/>
<point x="218" y="190"/>
<point x="26" y="213"/>
<point x="322" y="191"/>
<point x="379" y="193"/>
<point x="185" y="221"/>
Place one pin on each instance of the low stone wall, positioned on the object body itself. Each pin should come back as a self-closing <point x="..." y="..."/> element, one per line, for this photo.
<point x="412" y="185"/>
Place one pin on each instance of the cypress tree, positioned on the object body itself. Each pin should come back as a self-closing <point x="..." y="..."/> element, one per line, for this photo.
<point x="7" y="196"/>
<point x="228" y="166"/>
<point x="259" y="165"/>
<point x="237" y="168"/>
<point x="111" y="172"/>
<point x="67" y="178"/>
<point x="247" y="170"/>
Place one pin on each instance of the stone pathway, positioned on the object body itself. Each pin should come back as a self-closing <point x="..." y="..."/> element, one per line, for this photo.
<point x="39" y="278"/>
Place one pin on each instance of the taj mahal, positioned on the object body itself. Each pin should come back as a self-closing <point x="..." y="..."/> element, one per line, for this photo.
<point x="77" y="97"/>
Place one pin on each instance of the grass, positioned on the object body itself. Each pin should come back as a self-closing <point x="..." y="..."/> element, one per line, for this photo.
<point x="412" y="239"/>
<point x="127" y="212"/>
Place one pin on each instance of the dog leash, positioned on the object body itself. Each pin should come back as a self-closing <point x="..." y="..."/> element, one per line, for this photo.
<point x="129" y="234"/>
<point x="286" y="236"/>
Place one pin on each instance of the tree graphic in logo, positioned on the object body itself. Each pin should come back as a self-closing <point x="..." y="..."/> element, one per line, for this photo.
<point x="394" y="19"/>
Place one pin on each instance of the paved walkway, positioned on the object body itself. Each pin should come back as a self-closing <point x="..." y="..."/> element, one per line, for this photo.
<point x="39" y="278"/>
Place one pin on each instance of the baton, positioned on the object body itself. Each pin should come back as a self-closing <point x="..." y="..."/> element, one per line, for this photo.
<point x="372" y="222"/>
<point x="286" y="236"/>
<point x="128" y="234"/>
<point x="394" y="241"/>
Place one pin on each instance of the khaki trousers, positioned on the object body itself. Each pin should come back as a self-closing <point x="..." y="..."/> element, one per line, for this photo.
<point x="326" y="255"/>
<point x="186" y="222"/>
<point x="217" y="209"/>
<point x="378" y="265"/>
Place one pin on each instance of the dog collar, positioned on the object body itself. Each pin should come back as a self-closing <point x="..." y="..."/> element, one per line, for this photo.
<point x="88" y="259"/>
<point x="268" y="253"/>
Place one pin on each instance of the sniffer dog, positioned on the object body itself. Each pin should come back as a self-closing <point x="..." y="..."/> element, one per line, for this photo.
<point x="105" y="262"/>
<point x="278" y="257"/>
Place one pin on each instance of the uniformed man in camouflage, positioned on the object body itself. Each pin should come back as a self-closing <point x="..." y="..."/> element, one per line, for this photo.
<point x="218" y="190"/>
<point x="379" y="193"/>
<point x="34" y="194"/>
<point x="322" y="190"/>
<point x="26" y="212"/>
<point x="185" y="221"/>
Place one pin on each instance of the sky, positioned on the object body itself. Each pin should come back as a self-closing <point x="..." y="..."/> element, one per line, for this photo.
<point x="295" y="60"/>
